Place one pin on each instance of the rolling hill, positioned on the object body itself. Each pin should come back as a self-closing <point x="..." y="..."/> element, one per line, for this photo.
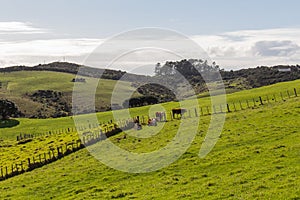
<point x="45" y="91"/>
<point x="256" y="157"/>
<point x="44" y="94"/>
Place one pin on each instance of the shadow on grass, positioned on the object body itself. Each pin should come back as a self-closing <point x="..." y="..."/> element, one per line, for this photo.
<point x="8" y="123"/>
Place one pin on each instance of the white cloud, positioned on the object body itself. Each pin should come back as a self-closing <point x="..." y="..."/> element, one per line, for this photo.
<point x="50" y="47"/>
<point x="251" y="48"/>
<point x="36" y="51"/>
<point x="275" y="48"/>
<point x="19" y="28"/>
<point x="231" y="50"/>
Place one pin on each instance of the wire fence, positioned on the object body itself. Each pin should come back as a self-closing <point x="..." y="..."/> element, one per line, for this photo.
<point x="94" y="133"/>
<point x="88" y="138"/>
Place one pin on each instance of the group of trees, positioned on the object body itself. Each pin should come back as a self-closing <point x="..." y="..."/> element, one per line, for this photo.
<point x="160" y="92"/>
<point x="140" y="101"/>
<point x="185" y="67"/>
<point x="262" y="76"/>
<point x="153" y="93"/>
<point x="54" y="104"/>
<point x="8" y="109"/>
<point x="195" y="70"/>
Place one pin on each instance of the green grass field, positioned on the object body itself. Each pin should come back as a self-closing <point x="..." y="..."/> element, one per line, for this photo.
<point x="43" y="125"/>
<point x="256" y="157"/>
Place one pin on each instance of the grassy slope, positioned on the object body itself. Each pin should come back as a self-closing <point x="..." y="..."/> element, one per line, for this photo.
<point x="17" y="84"/>
<point x="43" y="125"/>
<point x="257" y="157"/>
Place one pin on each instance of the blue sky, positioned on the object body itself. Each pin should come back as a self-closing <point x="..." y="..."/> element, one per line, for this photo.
<point x="102" y="18"/>
<point x="262" y="31"/>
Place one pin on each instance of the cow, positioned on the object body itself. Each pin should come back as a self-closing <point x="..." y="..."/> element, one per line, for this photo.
<point x="178" y="112"/>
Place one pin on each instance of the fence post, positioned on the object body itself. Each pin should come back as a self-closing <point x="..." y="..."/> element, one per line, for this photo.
<point x="196" y="114"/>
<point x="234" y="106"/>
<point x="247" y="104"/>
<point x="228" y="109"/>
<point x="207" y="110"/>
<point x="58" y="152"/>
<point x="53" y="154"/>
<point x="22" y="168"/>
<point x="288" y="93"/>
<point x="241" y="105"/>
<point x="281" y="96"/>
<point x="295" y="91"/>
<point x="261" y="102"/>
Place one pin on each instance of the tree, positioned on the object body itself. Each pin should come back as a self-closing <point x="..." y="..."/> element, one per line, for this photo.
<point x="8" y="109"/>
<point x="157" y="69"/>
<point x="167" y="69"/>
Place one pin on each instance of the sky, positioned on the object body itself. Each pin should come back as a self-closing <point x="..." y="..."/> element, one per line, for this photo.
<point x="234" y="33"/>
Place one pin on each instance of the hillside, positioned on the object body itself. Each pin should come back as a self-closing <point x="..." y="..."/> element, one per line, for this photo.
<point x="45" y="91"/>
<point x="256" y="157"/>
<point x="43" y="125"/>
<point x="238" y="79"/>
<point x="199" y="72"/>
<point x="43" y="94"/>
<point x="73" y="68"/>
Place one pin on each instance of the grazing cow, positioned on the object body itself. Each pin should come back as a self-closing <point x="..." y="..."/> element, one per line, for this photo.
<point x="152" y="122"/>
<point x="160" y="116"/>
<point x="178" y="112"/>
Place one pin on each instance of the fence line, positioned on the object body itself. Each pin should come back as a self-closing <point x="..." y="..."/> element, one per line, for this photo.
<point x="205" y="110"/>
<point x="103" y="131"/>
<point x="61" y="151"/>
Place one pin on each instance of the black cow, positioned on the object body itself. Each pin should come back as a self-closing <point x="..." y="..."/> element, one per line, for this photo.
<point x="178" y="112"/>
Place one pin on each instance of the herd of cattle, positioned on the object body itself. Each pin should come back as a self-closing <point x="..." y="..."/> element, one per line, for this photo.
<point x="159" y="117"/>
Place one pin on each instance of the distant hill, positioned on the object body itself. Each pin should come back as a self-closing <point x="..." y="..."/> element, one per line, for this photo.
<point x="195" y="69"/>
<point x="262" y="76"/>
<point x="241" y="79"/>
<point x="45" y="90"/>
<point x="73" y="68"/>
<point x="44" y="94"/>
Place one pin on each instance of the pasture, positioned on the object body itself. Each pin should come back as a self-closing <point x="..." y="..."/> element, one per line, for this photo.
<point x="256" y="157"/>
